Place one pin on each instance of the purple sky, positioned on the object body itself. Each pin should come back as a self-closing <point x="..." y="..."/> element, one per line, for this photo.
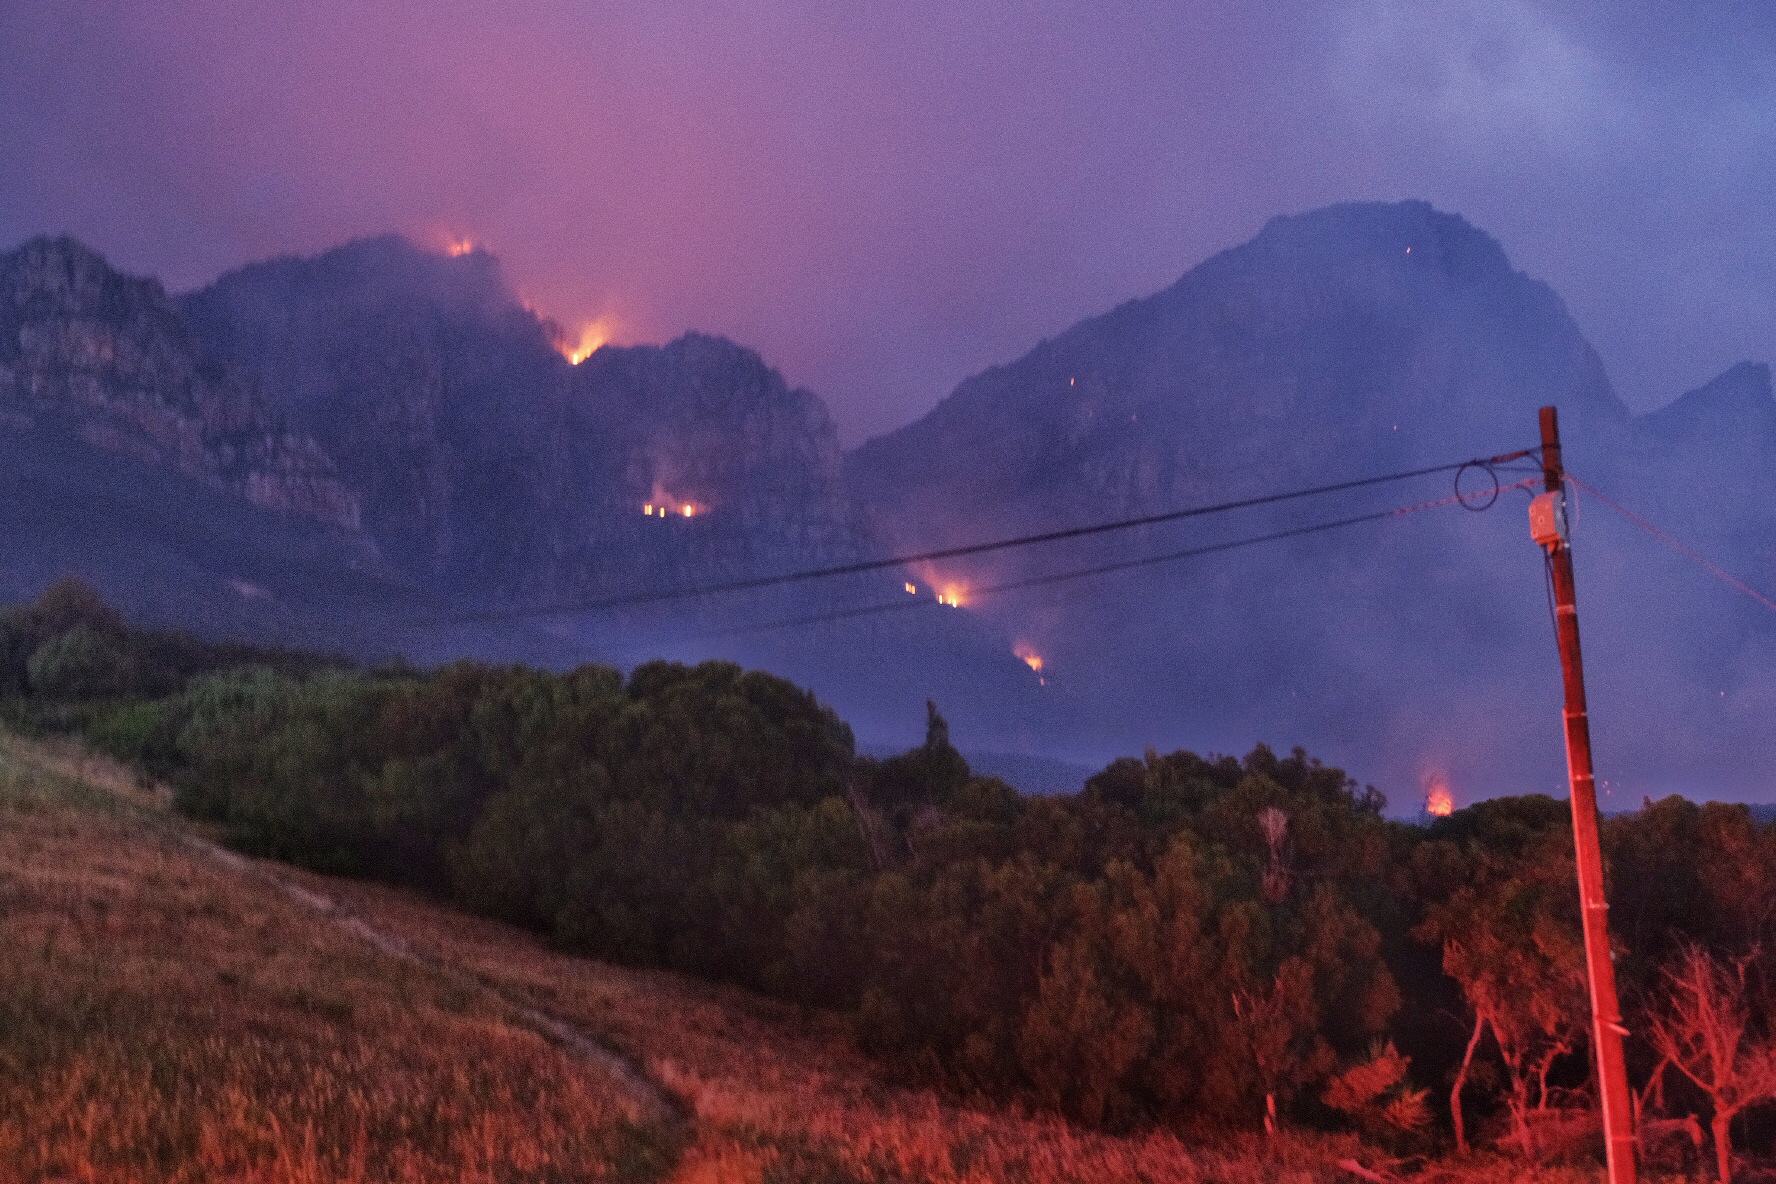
<point x="883" y="198"/>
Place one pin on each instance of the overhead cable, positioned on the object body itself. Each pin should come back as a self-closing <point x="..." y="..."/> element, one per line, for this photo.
<point x="1119" y="565"/>
<point x="634" y="599"/>
<point x="1681" y="548"/>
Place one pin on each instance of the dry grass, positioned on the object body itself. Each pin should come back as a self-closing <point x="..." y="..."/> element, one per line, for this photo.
<point x="166" y="1019"/>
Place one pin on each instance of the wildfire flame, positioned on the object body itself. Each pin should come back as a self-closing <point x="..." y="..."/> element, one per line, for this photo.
<point x="951" y="593"/>
<point x="594" y="335"/>
<point x="912" y="589"/>
<point x="1030" y="658"/>
<point x="457" y="247"/>
<point x="1439" y="801"/>
<point x="664" y="505"/>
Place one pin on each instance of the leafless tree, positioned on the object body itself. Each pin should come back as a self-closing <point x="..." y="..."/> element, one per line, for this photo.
<point x="1705" y="1031"/>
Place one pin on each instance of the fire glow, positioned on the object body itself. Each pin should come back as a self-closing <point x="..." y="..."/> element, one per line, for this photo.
<point x="950" y="593"/>
<point x="1028" y="655"/>
<point x="594" y="335"/>
<point x="664" y="505"/>
<point x="1439" y="801"/>
<point x="458" y="247"/>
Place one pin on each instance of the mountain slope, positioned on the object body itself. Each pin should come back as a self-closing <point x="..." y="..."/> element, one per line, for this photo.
<point x="1348" y="339"/>
<point x="489" y="465"/>
<point x="1346" y="342"/>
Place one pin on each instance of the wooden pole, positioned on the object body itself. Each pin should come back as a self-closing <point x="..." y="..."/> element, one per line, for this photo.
<point x="1606" y="1019"/>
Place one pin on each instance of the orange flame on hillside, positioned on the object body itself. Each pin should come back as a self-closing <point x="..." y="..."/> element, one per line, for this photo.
<point x="951" y="593"/>
<point x="664" y="505"/>
<point x="1439" y="800"/>
<point x="594" y="335"/>
<point x="1030" y="658"/>
<point x="458" y="247"/>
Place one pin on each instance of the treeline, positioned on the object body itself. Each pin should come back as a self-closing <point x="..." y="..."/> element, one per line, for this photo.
<point x="1211" y="944"/>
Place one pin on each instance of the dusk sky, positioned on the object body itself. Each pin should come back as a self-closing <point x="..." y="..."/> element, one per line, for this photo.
<point x="885" y="198"/>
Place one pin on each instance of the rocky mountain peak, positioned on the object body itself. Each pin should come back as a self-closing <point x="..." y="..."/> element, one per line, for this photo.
<point x="485" y="460"/>
<point x="707" y="417"/>
<point x="1355" y="337"/>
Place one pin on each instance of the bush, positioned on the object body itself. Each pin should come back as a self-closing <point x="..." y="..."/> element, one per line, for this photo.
<point x="78" y="665"/>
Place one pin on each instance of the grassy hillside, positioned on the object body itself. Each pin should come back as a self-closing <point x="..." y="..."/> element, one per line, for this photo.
<point x="165" y="1017"/>
<point x="169" y="1012"/>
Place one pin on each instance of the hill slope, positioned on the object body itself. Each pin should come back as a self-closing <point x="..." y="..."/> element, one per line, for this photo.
<point x="169" y="1017"/>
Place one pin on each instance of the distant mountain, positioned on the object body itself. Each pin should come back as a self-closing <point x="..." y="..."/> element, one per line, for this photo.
<point x="1353" y="340"/>
<point x="490" y="466"/>
<point x="498" y="476"/>
<point x="381" y="449"/>
<point x="386" y="421"/>
<point x="1356" y="338"/>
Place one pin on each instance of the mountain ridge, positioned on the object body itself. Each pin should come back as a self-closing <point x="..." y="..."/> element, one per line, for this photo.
<point x="493" y="476"/>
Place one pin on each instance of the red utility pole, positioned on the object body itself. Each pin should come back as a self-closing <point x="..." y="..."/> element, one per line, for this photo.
<point x="1547" y="518"/>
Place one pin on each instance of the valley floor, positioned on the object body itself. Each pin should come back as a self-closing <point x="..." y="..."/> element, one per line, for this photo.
<point x="172" y="1012"/>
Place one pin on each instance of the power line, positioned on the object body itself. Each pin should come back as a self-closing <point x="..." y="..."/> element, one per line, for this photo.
<point x="1681" y="548"/>
<point x="1119" y="565"/>
<point x="633" y="599"/>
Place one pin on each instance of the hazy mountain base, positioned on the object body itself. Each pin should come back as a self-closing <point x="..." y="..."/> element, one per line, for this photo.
<point x="171" y="551"/>
<point x="140" y="936"/>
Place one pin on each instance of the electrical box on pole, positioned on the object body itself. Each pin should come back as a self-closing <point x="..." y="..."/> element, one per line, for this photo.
<point x="1548" y="526"/>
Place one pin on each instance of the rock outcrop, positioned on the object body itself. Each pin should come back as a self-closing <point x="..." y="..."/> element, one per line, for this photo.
<point x="106" y="357"/>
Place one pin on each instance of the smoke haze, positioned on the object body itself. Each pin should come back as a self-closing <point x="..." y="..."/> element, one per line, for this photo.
<point x="883" y="200"/>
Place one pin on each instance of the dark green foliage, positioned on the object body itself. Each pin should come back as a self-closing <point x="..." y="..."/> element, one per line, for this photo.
<point x="81" y="663"/>
<point x="1190" y="941"/>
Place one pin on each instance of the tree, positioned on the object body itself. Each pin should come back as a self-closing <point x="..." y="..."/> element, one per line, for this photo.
<point x="81" y="663"/>
<point x="1376" y="1096"/>
<point x="1510" y="942"/>
<point x="1705" y="1030"/>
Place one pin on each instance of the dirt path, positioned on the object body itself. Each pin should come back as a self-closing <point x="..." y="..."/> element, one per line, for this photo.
<point x="659" y="1106"/>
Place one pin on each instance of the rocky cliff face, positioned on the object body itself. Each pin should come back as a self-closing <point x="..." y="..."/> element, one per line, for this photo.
<point x="488" y="463"/>
<point x="689" y="461"/>
<point x="106" y="357"/>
